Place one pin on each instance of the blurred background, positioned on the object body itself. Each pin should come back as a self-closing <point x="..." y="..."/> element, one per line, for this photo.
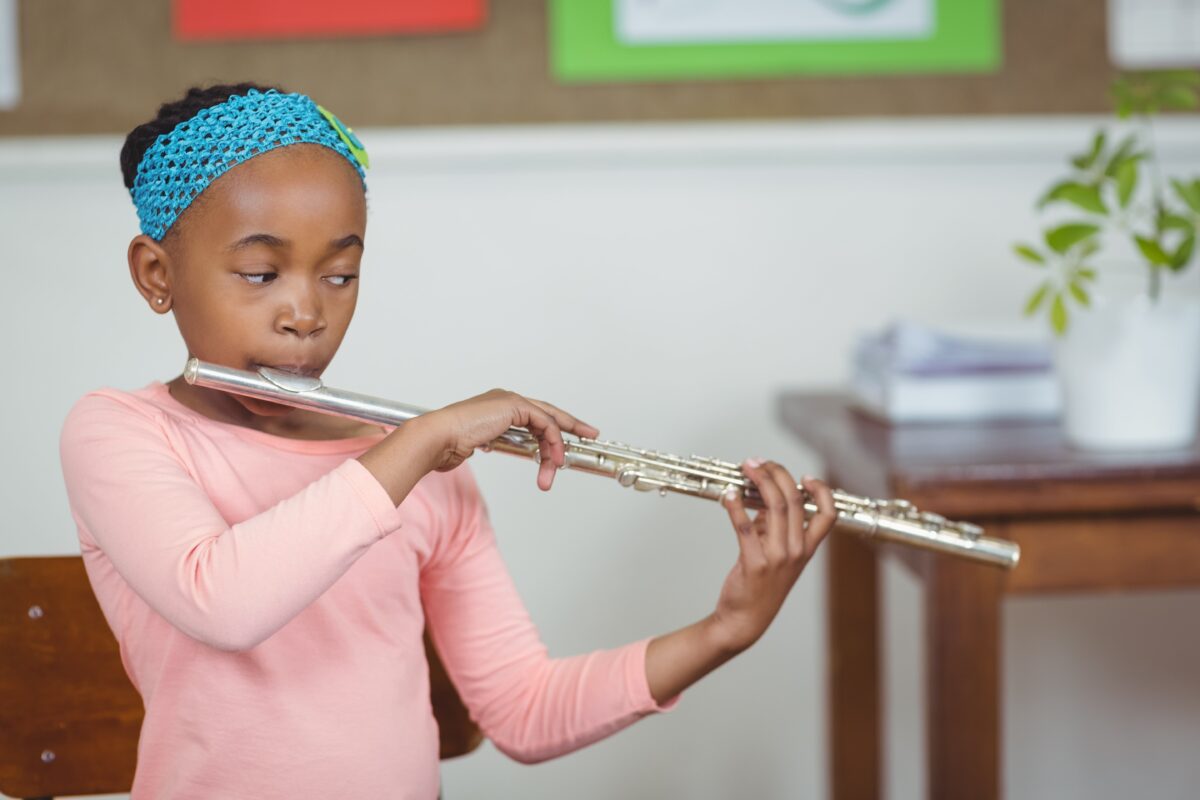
<point x="660" y="216"/>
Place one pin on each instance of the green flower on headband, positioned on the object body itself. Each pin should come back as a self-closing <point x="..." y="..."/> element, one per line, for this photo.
<point x="347" y="134"/>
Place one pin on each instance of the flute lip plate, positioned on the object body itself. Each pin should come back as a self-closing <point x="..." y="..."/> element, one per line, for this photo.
<point x="191" y="370"/>
<point x="289" y="382"/>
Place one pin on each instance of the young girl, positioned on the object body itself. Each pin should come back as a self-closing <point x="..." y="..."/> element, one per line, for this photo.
<point x="268" y="571"/>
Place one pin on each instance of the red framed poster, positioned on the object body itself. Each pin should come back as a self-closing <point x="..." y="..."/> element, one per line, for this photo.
<point x="198" y="20"/>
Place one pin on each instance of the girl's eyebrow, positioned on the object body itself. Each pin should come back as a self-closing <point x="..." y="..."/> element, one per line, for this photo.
<point x="270" y="240"/>
<point x="347" y="241"/>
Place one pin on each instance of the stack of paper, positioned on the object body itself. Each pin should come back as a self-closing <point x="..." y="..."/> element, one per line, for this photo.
<point x="10" y="58"/>
<point x="912" y="373"/>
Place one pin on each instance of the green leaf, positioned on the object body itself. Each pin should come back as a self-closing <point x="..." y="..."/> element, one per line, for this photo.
<point x="1152" y="250"/>
<point x="1183" y="254"/>
<point x="1178" y="97"/>
<point x="1058" y="314"/>
<point x="1049" y="195"/>
<point x="1062" y="238"/>
<point x="1086" y="197"/>
<point x="1079" y="293"/>
<point x="1187" y="77"/>
<point x="1127" y="176"/>
<point x="1029" y="254"/>
<point x="1035" y="299"/>
<point x="1122" y="94"/>
<point x="1087" y="273"/>
<point x="1124" y="103"/>
<point x="1134" y="94"/>
<point x="1146" y="92"/>
<point x="1085" y="161"/>
<point x="1188" y="193"/>
<point x="1055" y="192"/>
<point x="1122" y="154"/>
<point x="1168" y="221"/>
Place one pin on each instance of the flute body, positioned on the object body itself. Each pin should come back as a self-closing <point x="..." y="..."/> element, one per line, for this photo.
<point x="646" y="470"/>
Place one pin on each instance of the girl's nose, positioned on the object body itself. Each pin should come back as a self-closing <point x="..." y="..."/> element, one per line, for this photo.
<point x="301" y="315"/>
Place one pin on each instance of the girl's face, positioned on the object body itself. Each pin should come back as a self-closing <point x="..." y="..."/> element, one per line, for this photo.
<point x="263" y="269"/>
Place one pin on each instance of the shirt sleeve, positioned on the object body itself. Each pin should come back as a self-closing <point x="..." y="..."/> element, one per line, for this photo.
<point x="228" y="586"/>
<point x="531" y="706"/>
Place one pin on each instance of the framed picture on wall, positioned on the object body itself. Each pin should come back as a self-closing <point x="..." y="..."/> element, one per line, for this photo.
<point x="223" y="20"/>
<point x="618" y="40"/>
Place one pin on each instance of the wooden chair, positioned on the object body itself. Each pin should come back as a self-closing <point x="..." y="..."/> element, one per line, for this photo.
<point x="69" y="717"/>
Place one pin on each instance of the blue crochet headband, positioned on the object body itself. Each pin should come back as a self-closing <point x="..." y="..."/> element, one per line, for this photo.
<point x="178" y="166"/>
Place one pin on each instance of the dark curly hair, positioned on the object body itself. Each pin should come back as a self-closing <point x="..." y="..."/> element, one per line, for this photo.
<point x="171" y="114"/>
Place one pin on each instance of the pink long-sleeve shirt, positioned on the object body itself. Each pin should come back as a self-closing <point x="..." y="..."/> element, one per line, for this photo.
<point x="269" y="602"/>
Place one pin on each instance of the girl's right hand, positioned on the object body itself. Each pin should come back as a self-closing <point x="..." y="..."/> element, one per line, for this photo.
<point x="463" y="426"/>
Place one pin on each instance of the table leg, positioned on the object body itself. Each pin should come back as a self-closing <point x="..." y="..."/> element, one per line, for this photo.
<point x="854" y="728"/>
<point x="962" y="607"/>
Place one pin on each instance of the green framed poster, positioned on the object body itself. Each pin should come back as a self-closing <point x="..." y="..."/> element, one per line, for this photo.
<point x="590" y="43"/>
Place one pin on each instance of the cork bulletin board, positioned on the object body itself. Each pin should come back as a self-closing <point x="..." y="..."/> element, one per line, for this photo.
<point x="103" y="66"/>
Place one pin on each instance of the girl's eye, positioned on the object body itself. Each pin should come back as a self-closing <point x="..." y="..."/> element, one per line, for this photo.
<point x="342" y="280"/>
<point x="258" y="278"/>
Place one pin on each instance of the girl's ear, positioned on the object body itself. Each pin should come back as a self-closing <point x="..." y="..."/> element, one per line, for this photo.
<point x="148" y="262"/>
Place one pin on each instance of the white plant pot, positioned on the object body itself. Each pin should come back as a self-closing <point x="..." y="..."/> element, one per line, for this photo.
<point x="1130" y="372"/>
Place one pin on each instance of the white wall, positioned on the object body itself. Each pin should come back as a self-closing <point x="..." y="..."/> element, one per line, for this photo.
<point x="665" y="283"/>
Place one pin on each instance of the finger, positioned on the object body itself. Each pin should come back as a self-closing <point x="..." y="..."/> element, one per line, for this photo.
<point x="546" y="428"/>
<point x="779" y="533"/>
<point x="545" y="477"/>
<point x="550" y="443"/>
<point x="749" y="543"/>
<point x="825" y="518"/>
<point x="547" y="467"/>
<point x="567" y="422"/>
<point x="794" y="496"/>
<point x="775" y="538"/>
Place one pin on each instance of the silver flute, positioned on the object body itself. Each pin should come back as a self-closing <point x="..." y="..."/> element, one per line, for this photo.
<point x="646" y="470"/>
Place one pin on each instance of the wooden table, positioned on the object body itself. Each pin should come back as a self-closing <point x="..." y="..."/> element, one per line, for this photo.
<point x="1084" y="521"/>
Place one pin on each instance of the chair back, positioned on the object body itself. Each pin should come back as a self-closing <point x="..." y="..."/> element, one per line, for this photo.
<point x="69" y="717"/>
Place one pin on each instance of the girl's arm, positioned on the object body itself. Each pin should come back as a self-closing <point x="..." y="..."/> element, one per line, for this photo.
<point x="233" y="586"/>
<point x="773" y="548"/>
<point x="531" y="706"/>
<point x="534" y="707"/>
<point x="229" y="586"/>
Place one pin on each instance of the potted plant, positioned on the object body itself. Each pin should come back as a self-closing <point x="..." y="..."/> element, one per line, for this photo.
<point x="1127" y="346"/>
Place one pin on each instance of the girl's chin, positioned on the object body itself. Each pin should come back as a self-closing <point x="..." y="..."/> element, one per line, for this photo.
<point x="265" y="408"/>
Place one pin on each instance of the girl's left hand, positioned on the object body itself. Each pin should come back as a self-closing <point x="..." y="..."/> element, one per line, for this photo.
<point x="774" y="546"/>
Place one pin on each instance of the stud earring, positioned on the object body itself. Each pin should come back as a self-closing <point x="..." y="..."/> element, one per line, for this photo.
<point x="159" y="301"/>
